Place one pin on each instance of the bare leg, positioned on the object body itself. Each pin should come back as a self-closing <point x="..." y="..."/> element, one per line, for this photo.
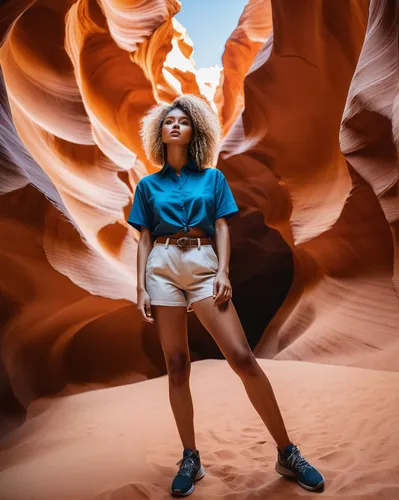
<point x="225" y="327"/>
<point x="171" y="324"/>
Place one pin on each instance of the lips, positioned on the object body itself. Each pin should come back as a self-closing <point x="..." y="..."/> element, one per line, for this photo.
<point x="175" y="132"/>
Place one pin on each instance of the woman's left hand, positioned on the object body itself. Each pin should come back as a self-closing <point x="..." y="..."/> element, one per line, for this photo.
<point x="222" y="290"/>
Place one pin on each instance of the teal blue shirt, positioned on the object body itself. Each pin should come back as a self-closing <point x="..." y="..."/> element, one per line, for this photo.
<point x="166" y="203"/>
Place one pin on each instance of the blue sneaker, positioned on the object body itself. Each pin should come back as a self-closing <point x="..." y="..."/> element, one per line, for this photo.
<point x="190" y="471"/>
<point x="291" y="463"/>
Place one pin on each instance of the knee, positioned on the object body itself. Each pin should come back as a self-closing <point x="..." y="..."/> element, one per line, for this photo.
<point x="178" y="365"/>
<point x="243" y="362"/>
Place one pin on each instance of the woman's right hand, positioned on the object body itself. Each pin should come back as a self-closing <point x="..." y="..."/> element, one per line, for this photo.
<point x="144" y="306"/>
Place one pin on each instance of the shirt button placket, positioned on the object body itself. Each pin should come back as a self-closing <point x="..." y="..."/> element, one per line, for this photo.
<point x="185" y="228"/>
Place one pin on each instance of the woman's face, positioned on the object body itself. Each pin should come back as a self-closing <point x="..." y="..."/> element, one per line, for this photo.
<point x="177" y="128"/>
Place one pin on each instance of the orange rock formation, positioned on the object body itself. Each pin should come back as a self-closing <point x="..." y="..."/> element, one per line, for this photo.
<point x="309" y="103"/>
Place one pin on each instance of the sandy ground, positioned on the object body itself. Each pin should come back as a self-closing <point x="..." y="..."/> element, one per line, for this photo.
<point x="121" y="442"/>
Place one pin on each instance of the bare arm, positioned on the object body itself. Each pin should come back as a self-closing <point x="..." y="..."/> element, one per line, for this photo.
<point x="222" y="239"/>
<point x="222" y="290"/>
<point x="144" y="248"/>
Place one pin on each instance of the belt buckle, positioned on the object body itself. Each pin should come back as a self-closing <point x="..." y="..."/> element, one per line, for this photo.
<point x="184" y="238"/>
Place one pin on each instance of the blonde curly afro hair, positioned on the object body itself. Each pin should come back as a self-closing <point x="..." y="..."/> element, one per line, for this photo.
<point x="203" y="147"/>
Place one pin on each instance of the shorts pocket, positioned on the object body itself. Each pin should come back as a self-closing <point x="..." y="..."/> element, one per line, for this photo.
<point x="211" y="255"/>
<point x="151" y="257"/>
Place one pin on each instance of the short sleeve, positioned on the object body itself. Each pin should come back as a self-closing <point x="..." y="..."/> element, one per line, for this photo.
<point x="225" y="203"/>
<point x="140" y="214"/>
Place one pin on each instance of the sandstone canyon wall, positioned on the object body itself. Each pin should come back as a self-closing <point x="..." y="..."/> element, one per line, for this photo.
<point x="308" y="100"/>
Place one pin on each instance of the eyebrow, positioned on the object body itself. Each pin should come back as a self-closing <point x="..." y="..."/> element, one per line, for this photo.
<point x="180" y="117"/>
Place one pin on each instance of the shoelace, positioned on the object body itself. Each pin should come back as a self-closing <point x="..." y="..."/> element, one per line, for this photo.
<point x="188" y="466"/>
<point x="298" y="461"/>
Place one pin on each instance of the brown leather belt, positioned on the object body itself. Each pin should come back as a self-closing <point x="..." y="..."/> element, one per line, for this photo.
<point x="184" y="241"/>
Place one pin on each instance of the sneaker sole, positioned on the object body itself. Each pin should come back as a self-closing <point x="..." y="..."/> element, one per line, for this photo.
<point x="288" y="473"/>
<point x="200" y="474"/>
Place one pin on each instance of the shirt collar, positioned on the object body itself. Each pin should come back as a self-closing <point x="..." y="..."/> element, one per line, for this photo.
<point x="190" y="165"/>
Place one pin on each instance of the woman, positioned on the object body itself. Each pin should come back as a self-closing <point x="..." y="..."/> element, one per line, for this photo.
<point x="183" y="208"/>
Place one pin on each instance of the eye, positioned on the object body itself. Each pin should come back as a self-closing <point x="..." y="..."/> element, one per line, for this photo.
<point x="184" y="122"/>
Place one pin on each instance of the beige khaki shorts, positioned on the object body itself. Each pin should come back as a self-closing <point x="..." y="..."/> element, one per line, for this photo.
<point x="179" y="276"/>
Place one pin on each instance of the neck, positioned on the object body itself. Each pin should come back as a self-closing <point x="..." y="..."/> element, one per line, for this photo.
<point x="177" y="156"/>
